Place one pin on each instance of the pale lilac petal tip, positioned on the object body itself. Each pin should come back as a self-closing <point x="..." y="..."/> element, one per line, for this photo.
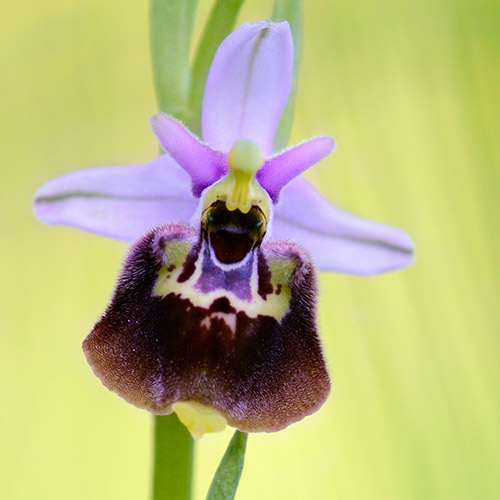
<point x="248" y="86"/>
<point x="204" y="165"/>
<point x="336" y="240"/>
<point x="282" y="168"/>
<point x="119" y="202"/>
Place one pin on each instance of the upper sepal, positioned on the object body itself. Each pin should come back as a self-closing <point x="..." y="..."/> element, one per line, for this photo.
<point x="248" y="86"/>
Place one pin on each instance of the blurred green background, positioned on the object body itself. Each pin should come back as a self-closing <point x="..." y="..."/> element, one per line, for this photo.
<point x="411" y="92"/>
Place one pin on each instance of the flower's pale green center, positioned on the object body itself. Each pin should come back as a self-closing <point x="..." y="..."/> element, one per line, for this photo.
<point x="199" y="419"/>
<point x="243" y="160"/>
<point x="245" y="157"/>
<point x="239" y="189"/>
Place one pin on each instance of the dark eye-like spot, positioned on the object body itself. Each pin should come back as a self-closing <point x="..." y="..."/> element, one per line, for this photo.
<point x="233" y="234"/>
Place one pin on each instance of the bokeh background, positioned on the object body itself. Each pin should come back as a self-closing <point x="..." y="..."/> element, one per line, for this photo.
<point x="411" y="92"/>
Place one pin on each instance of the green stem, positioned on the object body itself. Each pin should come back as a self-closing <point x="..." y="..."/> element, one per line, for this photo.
<point x="173" y="459"/>
<point x="171" y="24"/>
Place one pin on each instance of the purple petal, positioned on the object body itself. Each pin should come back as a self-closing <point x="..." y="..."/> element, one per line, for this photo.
<point x="336" y="240"/>
<point x="204" y="165"/>
<point x="248" y="86"/>
<point x="119" y="202"/>
<point x="282" y="168"/>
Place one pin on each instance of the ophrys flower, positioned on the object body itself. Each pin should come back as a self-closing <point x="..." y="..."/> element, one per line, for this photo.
<point x="216" y="310"/>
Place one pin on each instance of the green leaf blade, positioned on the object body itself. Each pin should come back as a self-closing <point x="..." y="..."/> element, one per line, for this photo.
<point x="227" y="476"/>
<point x="171" y="25"/>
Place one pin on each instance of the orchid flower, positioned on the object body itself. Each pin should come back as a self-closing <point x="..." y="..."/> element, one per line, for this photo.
<point x="214" y="313"/>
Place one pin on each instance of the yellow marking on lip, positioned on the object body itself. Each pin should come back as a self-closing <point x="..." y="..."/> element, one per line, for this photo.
<point x="230" y="320"/>
<point x="282" y="269"/>
<point x="274" y="305"/>
<point x="199" y="419"/>
<point x="176" y="252"/>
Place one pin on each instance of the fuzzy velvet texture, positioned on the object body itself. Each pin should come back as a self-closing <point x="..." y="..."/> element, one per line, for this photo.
<point x="262" y="376"/>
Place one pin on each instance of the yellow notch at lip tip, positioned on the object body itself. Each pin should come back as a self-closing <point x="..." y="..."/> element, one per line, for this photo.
<point x="199" y="419"/>
<point x="244" y="160"/>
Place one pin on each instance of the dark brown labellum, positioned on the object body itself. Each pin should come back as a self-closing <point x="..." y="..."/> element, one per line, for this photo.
<point x="246" y="346"/>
